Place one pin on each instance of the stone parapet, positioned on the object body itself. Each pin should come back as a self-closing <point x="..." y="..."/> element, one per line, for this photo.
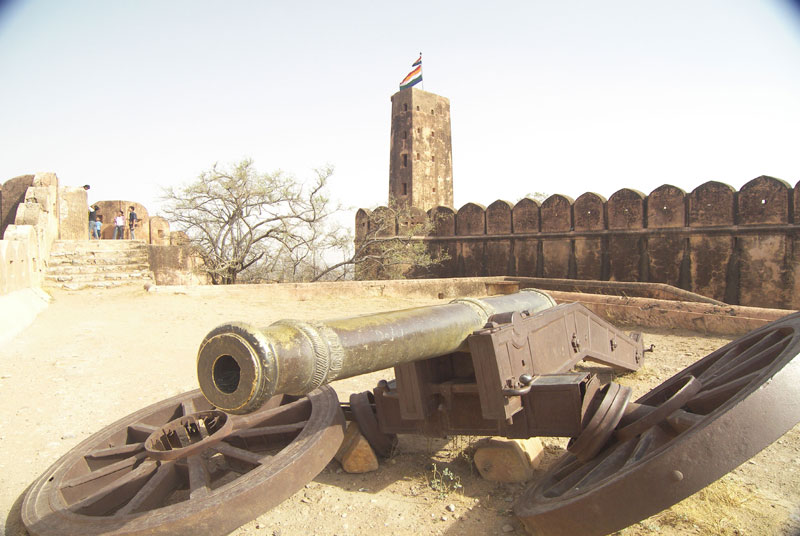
<point x="26" y="241"/>
<point x="738" y="247"/>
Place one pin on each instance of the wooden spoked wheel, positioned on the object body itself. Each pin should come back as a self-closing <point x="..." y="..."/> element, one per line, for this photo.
<point x="182" y="467"/>
<point x="732" y="404"/>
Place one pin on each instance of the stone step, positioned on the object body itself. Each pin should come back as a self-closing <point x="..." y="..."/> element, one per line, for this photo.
<point x="78" y="264"/>
<point x="79" y="285"/>
<point x="79" y="268"/>
<point x="60" y="246"/>
<point x="99" y="277"/>
<point x="110" y="257"/>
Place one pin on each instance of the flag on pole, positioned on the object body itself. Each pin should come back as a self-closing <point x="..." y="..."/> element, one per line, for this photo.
<point x="415" y="76"/>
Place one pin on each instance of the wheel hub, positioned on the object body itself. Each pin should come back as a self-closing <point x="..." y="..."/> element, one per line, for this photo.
<point x="188" y="435"/>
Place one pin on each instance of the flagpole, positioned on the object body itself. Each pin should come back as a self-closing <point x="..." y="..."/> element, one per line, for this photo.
<point x="420" y="71"/>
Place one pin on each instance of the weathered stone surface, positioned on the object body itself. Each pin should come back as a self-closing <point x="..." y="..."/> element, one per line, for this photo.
<point x="711" y="203"/>
<point x="626" y="209"/>
<point x="499" y="255"/>
<point x="356" y="454"/>
<point x="556" y="255"/>
<point x="78" y="264"/>
<point x="110" y="209"/>
<point x="525" y="216"/>
<point x="764" y="200"/>
<point x="508" y="460"/>
<point x="710" y="261"/>
<point x="471" y="220"/>
<point x="362" y="224"/>
<point x="159" y="231"/>
<point x="556" y="214"/>
<point x="526" y="253"/>
<point x="666" y="207"/>
<point x="589" y="214"/>
<point x="763" y="274"/>
<point x="175" y="265"/>
<point x="443" y="220"/>
<point x="73" y="214"/>
<point x="420" y="156"/>
<point x="13" y="194"/>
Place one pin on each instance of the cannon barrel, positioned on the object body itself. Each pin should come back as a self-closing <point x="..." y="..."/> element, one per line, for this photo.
<point x="240" y="366"/>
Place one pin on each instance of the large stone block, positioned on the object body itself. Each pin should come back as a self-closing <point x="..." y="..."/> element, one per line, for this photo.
<point x="159" y="231"/>
<point x="13" y="194"/>
<point x="29" y="214"/>
<point x="525" y="216"/>
<point x="556" y="254"/>
<point x="666" y="207"/>
<point x="764" y="280"/>
<point x="764" y="200"/>
<point x="710" y="261"/>
<point x="73" y="214"/>
<point x="526" y="251"/>
<point x="355" y="454"/>
<point x="508" y="460"/>
<point x="589" y="259"/>
<point x="712" y="203"/>
<point x="5" y="282"/>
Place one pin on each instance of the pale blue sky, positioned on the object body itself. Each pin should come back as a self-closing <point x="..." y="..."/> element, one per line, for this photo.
<point x="559" y="97"/>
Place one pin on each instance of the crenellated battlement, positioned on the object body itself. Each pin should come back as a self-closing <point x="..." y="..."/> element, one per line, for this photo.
<point x="739" y="247"/>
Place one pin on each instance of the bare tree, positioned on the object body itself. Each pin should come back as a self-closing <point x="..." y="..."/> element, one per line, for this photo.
<point x="392" y="246"/>
<point x="251" y="227"/>
<point x="236" y="216"/>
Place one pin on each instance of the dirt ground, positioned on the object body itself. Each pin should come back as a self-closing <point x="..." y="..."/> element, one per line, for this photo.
<point x="93" y="357"/>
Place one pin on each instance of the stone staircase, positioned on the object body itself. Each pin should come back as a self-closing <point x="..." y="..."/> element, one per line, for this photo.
<point x="77" y="264"/>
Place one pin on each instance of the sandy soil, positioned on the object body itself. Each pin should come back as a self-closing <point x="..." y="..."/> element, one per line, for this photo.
<point x="93" y="357"/>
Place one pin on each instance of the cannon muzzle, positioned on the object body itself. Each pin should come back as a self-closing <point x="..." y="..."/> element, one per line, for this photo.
<point x="240" y="366"/>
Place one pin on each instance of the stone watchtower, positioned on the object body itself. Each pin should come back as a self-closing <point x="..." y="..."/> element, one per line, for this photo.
<point x="421" y="153"/>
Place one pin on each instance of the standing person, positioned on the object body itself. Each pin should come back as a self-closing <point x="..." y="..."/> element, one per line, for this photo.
<point x="98" y="224"/>
<point x="132" y="221"/>
<point x="92" y="218"/>
<point x="119" y="226"/>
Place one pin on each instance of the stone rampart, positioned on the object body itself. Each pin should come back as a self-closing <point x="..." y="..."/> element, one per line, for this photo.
<point x="35" y="211"/>
<point x="742" y="247"/>
<point x="26" y="242"/>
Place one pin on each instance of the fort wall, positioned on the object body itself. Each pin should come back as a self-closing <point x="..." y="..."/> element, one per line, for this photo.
<point x="740" y="247"/>
<point x="35" y="212"/>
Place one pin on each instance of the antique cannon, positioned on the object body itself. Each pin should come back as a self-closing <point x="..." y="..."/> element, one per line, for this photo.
<point x="493" y="366"/>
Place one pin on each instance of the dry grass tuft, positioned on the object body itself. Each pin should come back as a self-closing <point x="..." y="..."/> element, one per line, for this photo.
<point x="725" y="508"/>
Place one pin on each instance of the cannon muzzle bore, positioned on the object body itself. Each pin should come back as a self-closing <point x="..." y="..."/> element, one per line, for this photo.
<point x="240" y="366"/>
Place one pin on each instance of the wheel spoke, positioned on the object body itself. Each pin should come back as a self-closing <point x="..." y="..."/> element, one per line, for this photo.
<point x="116" y="493"/>
<point x="139" y="431"/>
<point x="565" y="479"/>
<point x="188" y="407"/>
<point x="707" y="401"/>
<point x="238" y="454"/>
<point x="130" y="448"/>
<point x="616" y="458"/>
<point x="270" y="430"/>
<point x="285" y="414"/>
<point x="103" y="471"/>
<point x="152" y="494"/>
<point x="686" y="448"/>
<point x="754" y="362"/>
<point x="101" y="487"/>
<point x="199" y="477"/>
<point x="725" y="364"/>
